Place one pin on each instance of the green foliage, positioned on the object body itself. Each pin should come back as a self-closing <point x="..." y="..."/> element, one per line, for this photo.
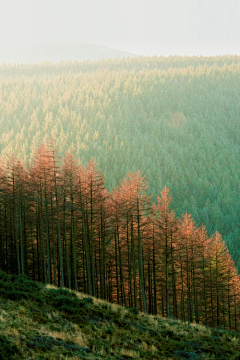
<point x="23" y="283"/>
<point x="134" y="311"/>
<point x="109" y="330"/>
<point x="18" y="287"/>
<point x="66" y="304"/>
<point x="88" y="300"/>
<point x="17" y="294"/>
<point x="8" y="351"/>
<point x="3" y="276"/>
<point x="57" y="292"/>
<point x="67" y="301"/>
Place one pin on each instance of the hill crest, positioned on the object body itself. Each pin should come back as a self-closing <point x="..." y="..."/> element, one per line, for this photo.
<point x="56" y="52"/>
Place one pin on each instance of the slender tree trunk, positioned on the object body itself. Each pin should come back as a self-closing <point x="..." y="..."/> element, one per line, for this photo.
<point x="43" y="240"/>
<point x="92" y="244"/>
<point x="49" y="271"/>
<point x="167" y="276"/>
<point x="134" y="265"/>
<point x="116" y="263"/>
<point x="73" y="244"/>
<point x="86" y="249"/>
<point x="154" y="277"/>
<point x="20" y="230"/>
<point x="141" y="261"/>
<point x="59" y="232"/>
<point x="53" y="246"/>
<point x="130" y="296"/>
<point x="66" y="243"/>
<point x="123" y="298"/>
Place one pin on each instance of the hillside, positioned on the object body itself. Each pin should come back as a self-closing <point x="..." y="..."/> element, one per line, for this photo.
<point x="176" y="119"/>
<point x="14" y="53"/>
<point x="40" y="321"/>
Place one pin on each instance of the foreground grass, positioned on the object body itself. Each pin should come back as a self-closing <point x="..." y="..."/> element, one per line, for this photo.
<point x="44" y="322"/>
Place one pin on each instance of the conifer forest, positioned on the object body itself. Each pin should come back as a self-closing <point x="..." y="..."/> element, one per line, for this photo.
<point x="120" y="179"/>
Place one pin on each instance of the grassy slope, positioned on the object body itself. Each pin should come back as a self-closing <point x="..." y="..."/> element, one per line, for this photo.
<point x="43" y="322"/>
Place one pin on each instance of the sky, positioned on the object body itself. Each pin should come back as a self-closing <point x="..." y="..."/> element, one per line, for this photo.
<point x="146" y="27"/>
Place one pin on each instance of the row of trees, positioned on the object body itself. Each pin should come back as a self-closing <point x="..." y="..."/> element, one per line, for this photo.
<point x="59" y="224"/>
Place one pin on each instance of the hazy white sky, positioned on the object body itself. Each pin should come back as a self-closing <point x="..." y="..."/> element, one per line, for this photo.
<point x="142" y="26"/>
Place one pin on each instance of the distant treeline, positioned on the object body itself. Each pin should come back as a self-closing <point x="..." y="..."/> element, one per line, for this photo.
<point x="60" y="225"/>
<point x="141" y="63"/>
<point x="176" y="119"/>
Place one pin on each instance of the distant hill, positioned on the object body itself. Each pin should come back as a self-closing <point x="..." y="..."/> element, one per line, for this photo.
<point x="16" y="53"/>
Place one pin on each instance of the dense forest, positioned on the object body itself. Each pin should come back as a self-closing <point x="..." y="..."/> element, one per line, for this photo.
<point x="175" y="119"/>
<point x="60" y="225"/>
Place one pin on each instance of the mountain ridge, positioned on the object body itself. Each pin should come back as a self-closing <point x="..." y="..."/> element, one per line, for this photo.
<point x="56" y="52"/>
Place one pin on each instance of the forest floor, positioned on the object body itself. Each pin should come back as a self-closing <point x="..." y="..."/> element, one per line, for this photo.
<point x="43" y="322"/>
